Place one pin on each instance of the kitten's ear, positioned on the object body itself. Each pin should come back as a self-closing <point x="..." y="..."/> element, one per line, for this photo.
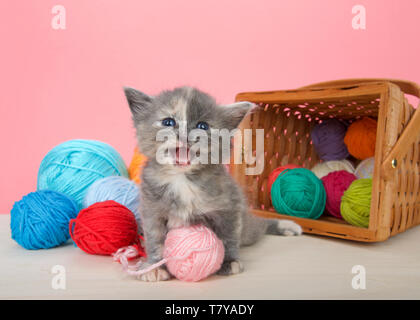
<point x="138" y="101"/>
<point x="235" y="112"/>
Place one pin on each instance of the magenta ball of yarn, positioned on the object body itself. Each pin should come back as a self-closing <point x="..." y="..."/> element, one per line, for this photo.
<point x="193" y="253"/>
<point x="335" y="183"/>
<point x="328" y="140"/>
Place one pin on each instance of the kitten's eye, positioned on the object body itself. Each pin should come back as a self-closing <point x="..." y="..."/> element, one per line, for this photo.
<point x="168" y="122"/>
<point x="203" y="125"/>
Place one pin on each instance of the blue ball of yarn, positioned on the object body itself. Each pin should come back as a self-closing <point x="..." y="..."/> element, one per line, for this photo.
<point x="119" y="189"/>
<point x="72" y="166"/>
<point x="41" y="219"/>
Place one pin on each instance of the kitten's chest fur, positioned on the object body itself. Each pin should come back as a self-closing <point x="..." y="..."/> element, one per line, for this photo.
<point x="186" y="199"/>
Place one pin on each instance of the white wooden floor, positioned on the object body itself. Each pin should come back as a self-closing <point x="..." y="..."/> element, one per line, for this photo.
<point x="306" y="267"/>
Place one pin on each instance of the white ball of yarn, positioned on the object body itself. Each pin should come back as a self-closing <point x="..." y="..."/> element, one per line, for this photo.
<point x="365" y="168"/>
<point x="324" y="168"/>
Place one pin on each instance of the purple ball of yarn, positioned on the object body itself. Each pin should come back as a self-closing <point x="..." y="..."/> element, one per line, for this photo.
<point x="328" y="140"/>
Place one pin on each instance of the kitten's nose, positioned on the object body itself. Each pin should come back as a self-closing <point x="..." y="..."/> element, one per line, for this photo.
<point x="182" y="157"/>
<point x="182" y="144"/>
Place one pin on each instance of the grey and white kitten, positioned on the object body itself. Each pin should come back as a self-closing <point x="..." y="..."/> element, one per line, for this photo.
<point x="182" y="193"/>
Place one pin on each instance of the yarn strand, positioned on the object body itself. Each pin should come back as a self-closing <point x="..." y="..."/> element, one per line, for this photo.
<point x="190" y="254"/>
<point x="122" y="255"/>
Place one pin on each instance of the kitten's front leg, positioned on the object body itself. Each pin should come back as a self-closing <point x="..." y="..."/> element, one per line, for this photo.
<point x="155" y="233"/>
<point x="230" y="234"/>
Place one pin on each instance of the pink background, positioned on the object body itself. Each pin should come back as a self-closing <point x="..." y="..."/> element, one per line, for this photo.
<point x="63" y="84"/>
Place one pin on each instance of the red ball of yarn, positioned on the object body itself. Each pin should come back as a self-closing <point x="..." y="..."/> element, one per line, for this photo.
<point x="335" y="183"/>
<point x="103" y="228"/>
<point x="273" y="175"/>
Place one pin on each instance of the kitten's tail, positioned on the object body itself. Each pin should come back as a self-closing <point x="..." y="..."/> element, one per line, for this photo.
<point x="253" y="228"/>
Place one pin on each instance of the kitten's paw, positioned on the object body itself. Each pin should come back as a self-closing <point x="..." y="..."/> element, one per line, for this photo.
<point x="231" y="267"/>
<point x="158" y="274"/>
<point x="288" y="228"/>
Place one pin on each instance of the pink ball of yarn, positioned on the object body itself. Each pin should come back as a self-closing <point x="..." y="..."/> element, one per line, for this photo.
<point x="335" y="183"/>
<point x="193" y="253"/>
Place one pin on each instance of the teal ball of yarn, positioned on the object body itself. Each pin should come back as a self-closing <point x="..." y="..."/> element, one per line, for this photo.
<point x="41" y="219"/>
<point x="72" y="166"/>
<point x="299" y="193"/>
<point x="119" y="189"/>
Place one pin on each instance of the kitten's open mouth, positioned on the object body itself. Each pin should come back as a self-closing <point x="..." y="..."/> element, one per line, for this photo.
<point x="182" y="157"/>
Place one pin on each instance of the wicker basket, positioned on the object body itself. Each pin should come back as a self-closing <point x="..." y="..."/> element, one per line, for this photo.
<point x="287" y="118"/>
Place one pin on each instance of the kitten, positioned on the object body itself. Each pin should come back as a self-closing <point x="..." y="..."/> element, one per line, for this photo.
<point x="181" y="192"/>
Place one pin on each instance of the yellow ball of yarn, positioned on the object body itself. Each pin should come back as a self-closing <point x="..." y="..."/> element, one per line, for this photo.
<point x="355" y="203"/>
<point x="136" y="166"/>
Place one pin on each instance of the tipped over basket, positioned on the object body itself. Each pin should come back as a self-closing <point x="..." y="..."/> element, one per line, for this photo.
<point x="287" y="118"/>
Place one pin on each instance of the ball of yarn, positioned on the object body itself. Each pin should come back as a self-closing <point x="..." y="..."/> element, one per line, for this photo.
<point x="136" y="165"/>
<point x="355" y="203"/>
<point x="103" y="228"/>
<point x="273" y="175"/>
<point x="365" y="168"/>
<point x="328" y="140"/>
<point x="323" y="168"/>
<point x="41" y="219"/>
<point x="298" y="193"/>
<point x="193" y="253"/>
<point x="335" y="183"/>
<point x="72" y="166"/>
<point x="117" y="188"/>
<point x="360" y="138"/>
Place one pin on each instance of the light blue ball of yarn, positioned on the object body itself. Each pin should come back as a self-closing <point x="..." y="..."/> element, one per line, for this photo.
<point x="41" y="219"/>
<point x="119" y="189"/>
<point x="72" y="166"/>
<point x="365" y="169"/>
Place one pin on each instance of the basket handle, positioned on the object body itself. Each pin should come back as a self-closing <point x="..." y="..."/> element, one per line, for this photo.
<point x="406" y="86"/>
<point x="409" y="136"/>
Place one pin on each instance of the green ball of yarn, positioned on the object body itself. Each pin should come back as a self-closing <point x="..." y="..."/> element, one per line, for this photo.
<point x="355" y="203"/>
<point x="299" y="193"/>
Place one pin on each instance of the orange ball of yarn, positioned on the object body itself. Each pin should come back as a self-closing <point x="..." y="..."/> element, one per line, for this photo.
<point x="103" y="228"/>
<point x="360" y="138"/>
<point x="273" y="175"/>
<point x="136" y="165"/>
